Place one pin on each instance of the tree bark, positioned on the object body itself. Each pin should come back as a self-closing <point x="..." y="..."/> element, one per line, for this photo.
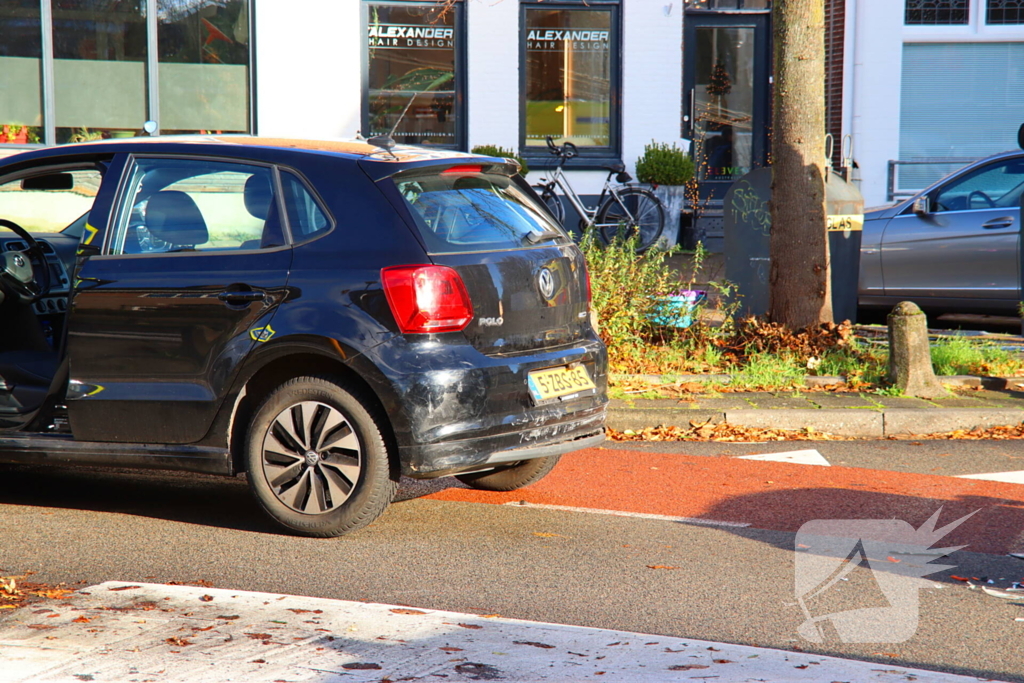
<point x="799" y="278"/>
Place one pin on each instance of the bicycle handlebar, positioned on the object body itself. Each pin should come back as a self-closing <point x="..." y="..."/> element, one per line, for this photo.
<point x="565" y="152"/>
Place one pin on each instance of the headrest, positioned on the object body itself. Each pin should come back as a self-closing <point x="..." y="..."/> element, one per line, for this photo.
<point x="258" y="196"/>
<point x="173" y="217"/>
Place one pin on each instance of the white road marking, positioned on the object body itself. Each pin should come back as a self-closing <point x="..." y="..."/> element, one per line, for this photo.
<point x="620" y="513"/>
<point x="121" y="632"/>
<point x="1005" y="477"/>
<point x="805" y="457"/>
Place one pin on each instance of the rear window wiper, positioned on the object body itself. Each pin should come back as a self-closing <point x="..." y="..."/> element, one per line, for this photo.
<point x="538" y="237"/>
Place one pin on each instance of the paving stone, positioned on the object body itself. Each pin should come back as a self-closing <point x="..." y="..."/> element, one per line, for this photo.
<point x="965" y="402"/>
<point x="841" y="422"/>
<point x="732" y="402"/>
<point x="904" y="402"/>
<point x="776" y="402"/>
<point x="625" y="418"/>
<point x="646" y="403"/>
<point x="902" y="421"/>
<point x="843" y="400"/>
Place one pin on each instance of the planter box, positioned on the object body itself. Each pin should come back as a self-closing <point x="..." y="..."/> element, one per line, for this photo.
<point x="673" y="199"/>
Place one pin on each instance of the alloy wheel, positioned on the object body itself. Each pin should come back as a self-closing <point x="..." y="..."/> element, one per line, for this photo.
<point x="312" y="457"/>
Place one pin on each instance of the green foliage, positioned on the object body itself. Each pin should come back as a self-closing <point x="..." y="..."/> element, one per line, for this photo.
<point x="768" y="371"/>
<point x="961" y="356"/>
<point x="494" y="151"/>
<point x="664" y="164"/>
<point x="625" y="287"/>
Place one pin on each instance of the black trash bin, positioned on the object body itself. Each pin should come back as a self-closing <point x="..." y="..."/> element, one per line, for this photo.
<point x="845" y="207"/>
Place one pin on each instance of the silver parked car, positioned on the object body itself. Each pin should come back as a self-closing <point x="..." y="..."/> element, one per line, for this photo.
<point x="954" y="247"/>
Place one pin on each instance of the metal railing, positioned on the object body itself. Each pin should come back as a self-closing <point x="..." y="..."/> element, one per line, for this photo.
<point x="894" y="193"/>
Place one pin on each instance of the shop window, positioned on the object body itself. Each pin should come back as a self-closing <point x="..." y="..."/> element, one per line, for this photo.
<point x="937" y="12"/>
<point x="728" y="4"/>
<point x="104" y="83"/>
<point x="414" y="56"/>
<point x="204" y="66"/>
<point x="571" y="77"/>
<point x="99" y="69"/>
<point x="21" y="102"/>
<point x="1005" y="12"/>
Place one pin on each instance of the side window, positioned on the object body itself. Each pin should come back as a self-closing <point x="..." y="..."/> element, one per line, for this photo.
<point x="190" y="205"/>
<point x="305" y="217"/>
<point x="995" y="186"/>
<point x="50" y="201"/>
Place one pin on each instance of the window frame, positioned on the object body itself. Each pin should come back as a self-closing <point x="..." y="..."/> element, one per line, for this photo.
<point x="986" y="10"/>
<point x="968" y="19"/>
<point x="589" y="157"/>
<point x="461" y="61"/>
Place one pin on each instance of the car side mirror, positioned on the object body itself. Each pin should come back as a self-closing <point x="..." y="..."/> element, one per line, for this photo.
<point x="922" y="205"/>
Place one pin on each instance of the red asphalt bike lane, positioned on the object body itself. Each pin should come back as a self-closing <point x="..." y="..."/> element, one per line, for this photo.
<point x="771" y="495"/>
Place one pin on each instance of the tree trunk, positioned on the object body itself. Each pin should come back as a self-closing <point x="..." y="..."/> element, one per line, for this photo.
<point x="799" y="277"/>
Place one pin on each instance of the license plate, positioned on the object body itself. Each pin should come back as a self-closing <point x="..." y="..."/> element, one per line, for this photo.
<point x="553" y="383"/>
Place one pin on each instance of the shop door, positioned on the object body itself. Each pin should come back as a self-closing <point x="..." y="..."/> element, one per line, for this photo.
<point x="726" y="71"/>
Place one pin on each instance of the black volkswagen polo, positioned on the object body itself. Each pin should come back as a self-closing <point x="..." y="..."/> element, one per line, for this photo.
<point x="322" y="316"/>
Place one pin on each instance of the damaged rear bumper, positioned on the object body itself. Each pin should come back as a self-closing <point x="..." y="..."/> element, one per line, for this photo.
<point x="584" y="430"/>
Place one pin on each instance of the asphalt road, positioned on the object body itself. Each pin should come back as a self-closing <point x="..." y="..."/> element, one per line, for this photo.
<point x="444" y="547"/>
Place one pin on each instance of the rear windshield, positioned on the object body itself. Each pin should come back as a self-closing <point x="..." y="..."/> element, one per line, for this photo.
<point x="459" y="211"/>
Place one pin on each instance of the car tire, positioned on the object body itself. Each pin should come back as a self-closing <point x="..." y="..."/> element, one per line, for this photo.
<point x="510" y="477"/>
<point x="316" y="458"/>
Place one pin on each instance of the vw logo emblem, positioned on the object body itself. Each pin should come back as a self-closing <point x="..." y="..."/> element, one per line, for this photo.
<point x="19" y="262"/>
<point x="546" y="283"/>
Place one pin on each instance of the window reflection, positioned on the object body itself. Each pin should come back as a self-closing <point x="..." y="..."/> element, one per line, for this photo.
<point x="21" y="106"/>
<point x="412" y="73"/>
<point x="99" y="68"/>
<point x="568" y="77"/>
<point x="204" y="65"/>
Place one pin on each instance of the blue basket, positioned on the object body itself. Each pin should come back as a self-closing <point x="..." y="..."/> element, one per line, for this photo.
<point x="676" y="310"/>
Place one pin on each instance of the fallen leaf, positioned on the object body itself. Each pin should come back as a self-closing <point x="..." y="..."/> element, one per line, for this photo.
<point x="661" y="566"/>
<point x="206" y="598"/>
<point x="81" y="620"/>
<point x="123" y="588"/>
<point x="722" y="661"/>
<point x="259" y="636"/>
<point x="892" y="559"/>
<point x="451" y="649"/>
<point x="305" y="611"/>
<point x="534" y="644"/>
<point x="473" y="626"/>
<point x="40" y="627"/>
<point x="405" y="610"/>
<point x="687" y="667"/>
<point x="547" y="534"/>
<point x="179" y="642"/>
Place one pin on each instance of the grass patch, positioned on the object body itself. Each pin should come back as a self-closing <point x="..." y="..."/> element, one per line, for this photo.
<point x="764" y="370"/>
<point x="963" y="356"/>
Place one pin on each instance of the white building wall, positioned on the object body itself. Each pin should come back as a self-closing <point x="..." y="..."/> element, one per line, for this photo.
<point x="875" y="99"/>
<point x="493" y="78"/>
<point x="308" y="68"/>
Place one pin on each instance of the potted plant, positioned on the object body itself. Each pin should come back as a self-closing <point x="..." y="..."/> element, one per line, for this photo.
<point x="667" y="168"/>
<point x="495" y="151"/>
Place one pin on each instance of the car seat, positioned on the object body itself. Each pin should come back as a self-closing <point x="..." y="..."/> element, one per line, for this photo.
<point x="259" y="202"/>
<point x="173" y="217"/>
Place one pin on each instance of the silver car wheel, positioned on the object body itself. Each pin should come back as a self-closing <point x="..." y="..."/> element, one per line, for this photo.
<point x="312" y="457"/>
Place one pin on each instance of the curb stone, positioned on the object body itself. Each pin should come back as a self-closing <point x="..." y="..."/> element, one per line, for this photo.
<point x="850" y="422"/>
<point x="997" y="383"/>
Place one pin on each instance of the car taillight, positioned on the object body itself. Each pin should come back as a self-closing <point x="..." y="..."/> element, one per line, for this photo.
<point x="427" y="299"/>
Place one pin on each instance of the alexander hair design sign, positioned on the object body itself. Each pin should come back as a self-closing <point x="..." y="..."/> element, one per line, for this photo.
<point x="554" y="39"/>
<point x="407" y="36"/>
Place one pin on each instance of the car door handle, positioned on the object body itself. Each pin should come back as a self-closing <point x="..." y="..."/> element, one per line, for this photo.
<point x="1004" y="222"/>
<point x="240" y="297"/>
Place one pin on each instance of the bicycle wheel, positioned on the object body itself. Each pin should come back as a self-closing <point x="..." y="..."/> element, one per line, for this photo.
<point x="552" y="201"/>
<point x="635" y="212"/>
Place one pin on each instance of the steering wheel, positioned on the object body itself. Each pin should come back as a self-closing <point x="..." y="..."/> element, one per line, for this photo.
<point x="17" y="276"/>
<point x="979" y="193"/>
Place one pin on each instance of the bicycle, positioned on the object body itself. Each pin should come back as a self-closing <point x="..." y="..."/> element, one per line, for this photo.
<point x="622" y="210"/>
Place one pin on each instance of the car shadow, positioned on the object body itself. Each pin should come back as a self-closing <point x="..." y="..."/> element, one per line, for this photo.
<point x="189" y="498"/>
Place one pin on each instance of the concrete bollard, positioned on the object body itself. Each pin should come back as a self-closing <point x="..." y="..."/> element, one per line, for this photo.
<point x="910" y="357"/>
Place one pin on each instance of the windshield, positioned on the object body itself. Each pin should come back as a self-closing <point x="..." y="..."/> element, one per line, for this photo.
<point x="462" y="209"/>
